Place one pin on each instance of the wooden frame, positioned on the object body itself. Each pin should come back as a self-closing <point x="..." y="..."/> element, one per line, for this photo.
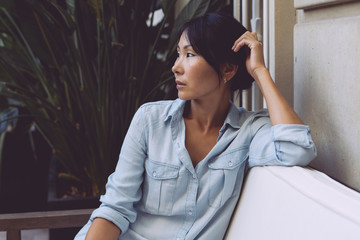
<point x="13" y="223"/>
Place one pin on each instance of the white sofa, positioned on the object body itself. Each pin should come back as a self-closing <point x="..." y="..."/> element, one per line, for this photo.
<point x="293" y="203"/>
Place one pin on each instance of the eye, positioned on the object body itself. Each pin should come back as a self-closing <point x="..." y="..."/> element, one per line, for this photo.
<point x="189" y="55"/>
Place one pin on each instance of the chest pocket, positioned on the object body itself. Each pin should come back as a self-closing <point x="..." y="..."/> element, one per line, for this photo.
<point x="159" y="187"/>
<point x="226" y="176"/>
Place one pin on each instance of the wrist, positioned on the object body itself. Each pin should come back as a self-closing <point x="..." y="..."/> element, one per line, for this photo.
<point x="259" y="72"/>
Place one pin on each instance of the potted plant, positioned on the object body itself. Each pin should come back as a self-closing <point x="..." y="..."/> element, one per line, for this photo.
<point x="82" y="68"/>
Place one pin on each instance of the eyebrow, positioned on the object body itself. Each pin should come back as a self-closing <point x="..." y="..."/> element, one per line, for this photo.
<point x="185" y="47"/>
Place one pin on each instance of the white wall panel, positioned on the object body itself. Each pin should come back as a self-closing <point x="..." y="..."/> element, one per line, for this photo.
<point x="327" y="93"/>
<point x="316" y="3"/>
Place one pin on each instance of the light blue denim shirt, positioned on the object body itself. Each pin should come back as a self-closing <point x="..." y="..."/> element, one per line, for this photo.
<point x="156" y="193"/>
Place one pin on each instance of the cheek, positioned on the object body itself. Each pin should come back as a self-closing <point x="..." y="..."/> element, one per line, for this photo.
<point x="210" y="76"/>
<point x="204" y="70"/>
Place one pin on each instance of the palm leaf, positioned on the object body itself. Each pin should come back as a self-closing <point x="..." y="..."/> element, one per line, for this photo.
<point x="82" y="68"/>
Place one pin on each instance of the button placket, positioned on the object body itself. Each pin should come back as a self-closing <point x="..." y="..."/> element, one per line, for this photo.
<point x="190" y="208"/>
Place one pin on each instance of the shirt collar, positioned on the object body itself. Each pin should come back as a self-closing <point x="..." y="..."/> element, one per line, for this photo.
<point x="176" y="110"/>
<point x="233" y="118"/>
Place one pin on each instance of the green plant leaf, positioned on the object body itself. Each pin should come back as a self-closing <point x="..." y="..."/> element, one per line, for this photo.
<point x="82" y="68"/>
<point x="2" y="140"/>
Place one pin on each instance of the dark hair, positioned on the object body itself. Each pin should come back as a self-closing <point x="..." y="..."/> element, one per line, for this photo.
<point x="212" y="36"/>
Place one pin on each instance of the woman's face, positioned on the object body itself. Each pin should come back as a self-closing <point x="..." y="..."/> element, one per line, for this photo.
<point x="195" y="78"/>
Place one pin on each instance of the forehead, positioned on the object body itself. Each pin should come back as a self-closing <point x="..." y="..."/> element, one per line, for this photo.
<point x="183" y="41"/>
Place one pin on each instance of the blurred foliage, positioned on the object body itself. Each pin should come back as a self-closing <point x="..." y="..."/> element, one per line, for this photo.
<point x="81" y="68"/>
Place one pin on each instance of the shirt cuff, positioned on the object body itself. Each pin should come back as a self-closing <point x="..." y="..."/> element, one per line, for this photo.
<point x="295" y="133"/>
<point x="112" y="216"/>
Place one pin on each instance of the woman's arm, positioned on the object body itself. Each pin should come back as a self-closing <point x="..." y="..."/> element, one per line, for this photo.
<point x="279" y="109"/>
<point x="123" y="188"/>
<point x="280" y="144"/>
<point x="103" y="229"/>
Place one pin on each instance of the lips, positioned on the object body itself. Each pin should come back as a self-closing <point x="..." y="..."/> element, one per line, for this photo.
<point x="180" y="84"/>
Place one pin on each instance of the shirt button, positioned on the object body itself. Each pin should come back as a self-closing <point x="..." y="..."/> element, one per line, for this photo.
<point x="190" y="212"/>
<point x="230" y="164"/>
<point x="154" y="174"/>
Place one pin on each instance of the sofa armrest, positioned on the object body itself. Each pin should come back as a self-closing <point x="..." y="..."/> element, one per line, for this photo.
<point x="294" y="203"/>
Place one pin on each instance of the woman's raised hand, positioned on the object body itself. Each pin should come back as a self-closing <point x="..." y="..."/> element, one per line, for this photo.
<point x="255" y="60"/>
<point x="279" y="109"/>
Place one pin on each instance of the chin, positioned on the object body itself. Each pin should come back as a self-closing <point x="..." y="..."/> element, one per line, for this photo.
<point x="184" y="97"/>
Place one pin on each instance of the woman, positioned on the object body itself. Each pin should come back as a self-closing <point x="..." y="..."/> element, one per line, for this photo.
<point x="182" y="164"/>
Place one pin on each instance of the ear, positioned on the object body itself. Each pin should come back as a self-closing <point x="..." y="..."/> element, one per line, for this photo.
<point x="228" y="71"/>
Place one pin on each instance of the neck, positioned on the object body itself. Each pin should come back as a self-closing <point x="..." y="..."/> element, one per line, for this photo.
<point x="207" y="114"/>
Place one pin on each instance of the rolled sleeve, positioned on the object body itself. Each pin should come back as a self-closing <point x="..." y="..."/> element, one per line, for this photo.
<point x="111" y="215"/>
<point x="283" y="144"/>
<point x="293" y="144"/>
<point x="107" y="213"/>
<point x="297" y="134"/>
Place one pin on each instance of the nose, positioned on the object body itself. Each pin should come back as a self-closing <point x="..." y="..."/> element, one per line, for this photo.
<point x="177" y="67"/>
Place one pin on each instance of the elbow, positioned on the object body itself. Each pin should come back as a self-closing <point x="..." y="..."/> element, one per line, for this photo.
<point x="296" y="155"/>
